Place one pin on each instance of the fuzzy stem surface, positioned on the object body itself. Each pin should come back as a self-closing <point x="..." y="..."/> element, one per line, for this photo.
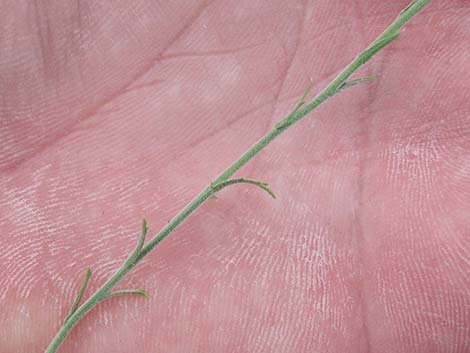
<point x="336" y="86"/>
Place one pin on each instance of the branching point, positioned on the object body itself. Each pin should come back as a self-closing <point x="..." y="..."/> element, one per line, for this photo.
<point x="349" y="84"/>
<point x="304" y="97"/>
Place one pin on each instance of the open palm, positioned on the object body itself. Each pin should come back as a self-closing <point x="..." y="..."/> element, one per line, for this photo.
<point x="112" y="110"/>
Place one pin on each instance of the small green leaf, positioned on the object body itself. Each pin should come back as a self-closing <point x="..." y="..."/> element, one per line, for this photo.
<point x="352" y="83"/>
<point x="143" y="233"/>
<point x="81" y="291"/>
<point x="283" y="124"/>
<point x="219" y="186"/>
<point x="140" y="292"/>
<point x="304" y="97"/>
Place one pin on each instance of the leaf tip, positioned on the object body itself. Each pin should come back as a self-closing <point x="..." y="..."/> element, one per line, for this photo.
<point x="144" y="225"/>
<point x="269" y="190"/>
<point x="142" y="293"/>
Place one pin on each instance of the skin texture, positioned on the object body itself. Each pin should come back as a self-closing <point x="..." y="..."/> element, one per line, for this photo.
<point x="112" y="110"/>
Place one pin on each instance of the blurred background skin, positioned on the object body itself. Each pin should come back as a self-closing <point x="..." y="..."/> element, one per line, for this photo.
<point x="112" y="110"/>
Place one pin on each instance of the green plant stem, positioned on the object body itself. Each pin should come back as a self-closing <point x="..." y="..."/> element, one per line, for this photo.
<point x="301" y="110"/>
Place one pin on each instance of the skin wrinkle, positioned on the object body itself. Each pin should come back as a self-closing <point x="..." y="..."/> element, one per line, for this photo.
<point x="420" y="309"/>
<point x="204" y="138"/>
<point x="11" y="167"/>
<point x="371" y="95"/>
<point x="195" y="143"/>
<point x="54" y="53"/>
<point x="185" y="55"/>
<point x="191" y="144"/>
<point x="358" y="229"/>
<point x="45" y="38"/>
<point x="150" y="84"/>
<point x="327" y="32"/>
<point x="79" y="16"/>
<point x="290" y="61"/>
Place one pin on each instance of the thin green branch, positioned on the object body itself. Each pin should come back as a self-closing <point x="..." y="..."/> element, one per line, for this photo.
<point x="222" y="184"/>
<point x="143" y="233"/>
<point x="301" y="110"/>
<point x="352" y="83"/>
<point x="81" y="291"/>
<point x="140" y="292"/>
<point x="304" y="97"/>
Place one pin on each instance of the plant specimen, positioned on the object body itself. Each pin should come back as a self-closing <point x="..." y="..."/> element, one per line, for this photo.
<point x="304" y="107"/>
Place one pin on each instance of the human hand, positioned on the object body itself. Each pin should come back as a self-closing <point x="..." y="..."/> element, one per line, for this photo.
<point x="115" y="110"/>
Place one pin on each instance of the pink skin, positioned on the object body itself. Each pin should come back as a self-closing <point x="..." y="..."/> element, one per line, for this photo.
<point x="115" y="110"/>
